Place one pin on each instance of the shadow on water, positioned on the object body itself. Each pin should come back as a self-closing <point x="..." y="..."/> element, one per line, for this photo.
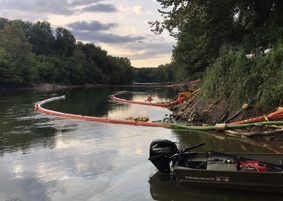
<point x="50" y="158"/>
<point x="22" y="127"/>
<point x="19" y="129"/>
<point x="163" y="188"/>
<point x="221" y="142"/>
<point x="83" y="101"/>
<point x="96" y="101"/>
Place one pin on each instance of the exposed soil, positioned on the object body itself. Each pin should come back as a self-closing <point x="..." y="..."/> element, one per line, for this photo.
<point x="196" y="111"/>
<point x="212" y="112"/>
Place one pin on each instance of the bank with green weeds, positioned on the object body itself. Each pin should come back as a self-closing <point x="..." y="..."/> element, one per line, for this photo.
<point x="236" y="87"/>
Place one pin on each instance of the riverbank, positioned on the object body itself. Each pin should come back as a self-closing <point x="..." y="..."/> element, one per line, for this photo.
<point x="198" y="112"/>
<point x="48" y="87"/>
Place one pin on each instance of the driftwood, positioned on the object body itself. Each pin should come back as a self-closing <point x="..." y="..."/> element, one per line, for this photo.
<point x="254" y="133"/>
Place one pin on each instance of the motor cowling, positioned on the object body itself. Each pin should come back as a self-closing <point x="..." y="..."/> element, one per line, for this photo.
<point x="160" y="152"/>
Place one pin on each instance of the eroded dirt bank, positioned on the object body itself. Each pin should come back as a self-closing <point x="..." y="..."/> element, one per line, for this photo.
<point x="197" y="111"/>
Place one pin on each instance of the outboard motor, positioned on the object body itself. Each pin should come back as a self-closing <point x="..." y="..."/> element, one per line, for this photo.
<point x="160" y="152"/>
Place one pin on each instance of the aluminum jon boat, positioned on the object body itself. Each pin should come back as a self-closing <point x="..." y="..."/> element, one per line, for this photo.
<point x="239" y="171"/>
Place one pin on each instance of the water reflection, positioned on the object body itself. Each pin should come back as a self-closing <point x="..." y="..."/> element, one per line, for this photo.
<point x="51" y="158"/>
<point x="85" y="101"/>
<point x="217" y="141"/>
<point x="163" y="188"/>
<point x="96" y="102"/>
<point x="23" y="128"/>
<point x="19" y="130"/>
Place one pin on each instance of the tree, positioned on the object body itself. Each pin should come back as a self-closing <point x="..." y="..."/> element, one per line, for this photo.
<point x="47" y="71"/>
<point x="3" y="21"/>
<point x="202" y="27"/>
<point x="30" y="53"/>
<point x="128" y="71"/>
<point x="65" y="42"/>
<point x="41" y="37"/>
<point x="16" y="58"/>
<point x="76" y="66"/>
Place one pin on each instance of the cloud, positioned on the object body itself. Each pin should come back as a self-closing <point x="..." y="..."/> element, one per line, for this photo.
<point x="64" y="7"/>
<point x="83" y="2"/>
<point x="94" y="32"/>
<point x="150" y="50"/>
<point x="97" y="37"/>
<point x="39" y="6"/>
<point x="138" y="9"/>
<point x="143" y="54"/>
<point x="117" y="25"/>
<point x="91" y="26"/>
<point x="107" y="8"/>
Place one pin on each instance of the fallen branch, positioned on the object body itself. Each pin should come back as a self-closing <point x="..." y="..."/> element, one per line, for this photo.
<point x="254" y="133"/>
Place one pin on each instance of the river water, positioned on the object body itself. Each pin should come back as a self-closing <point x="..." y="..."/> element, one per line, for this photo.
<point x="45" y="157"/>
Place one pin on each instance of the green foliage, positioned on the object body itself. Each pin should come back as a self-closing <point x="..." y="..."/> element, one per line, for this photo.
<point x="142" y="75"/>
<point x="65" y="42"/>
<point x="213" y="38"/>
<point x="16" y="58"/>
<point x="163" y="73"/>
<point x="76" y="67"/>
<point x="237" y="79"/>
<point x="202" y="27"/>
<point x="272" y="72"/>
<point x="221" y="79"/>
<point x="41" y="37"/>
<point x="47" y="73"/>
<point x="29" y="53"/>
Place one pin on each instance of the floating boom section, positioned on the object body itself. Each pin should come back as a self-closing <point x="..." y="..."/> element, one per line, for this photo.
<point x="38" y="107"/>
<point x="180" y="99"/>
<point x="165" y="105"/>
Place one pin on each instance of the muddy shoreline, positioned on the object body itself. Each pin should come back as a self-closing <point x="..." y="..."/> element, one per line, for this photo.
<point x="196" y="111"/>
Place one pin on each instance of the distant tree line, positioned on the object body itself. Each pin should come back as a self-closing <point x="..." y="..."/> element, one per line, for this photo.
<point x="31" y="53"/>
<point x="163" y="73"/>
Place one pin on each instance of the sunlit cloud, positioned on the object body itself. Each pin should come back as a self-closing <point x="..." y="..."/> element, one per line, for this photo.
<point x="121" y="28"/>
<point x="138" y="9"/>
<point x="18" y="169"/>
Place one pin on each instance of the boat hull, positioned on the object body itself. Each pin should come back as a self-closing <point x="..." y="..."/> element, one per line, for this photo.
<point x="248" y="181"/>
<point x="262" y="172"/>
<point x="226" y="176"/>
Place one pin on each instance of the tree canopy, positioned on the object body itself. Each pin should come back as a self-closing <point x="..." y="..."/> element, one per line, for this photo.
<point x="16" y="56"/>
<point x="31" y="53"/>
<point x="202" y="27"/>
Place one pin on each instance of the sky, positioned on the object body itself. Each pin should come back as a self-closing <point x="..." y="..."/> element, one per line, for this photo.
<point x="118" y="26"/>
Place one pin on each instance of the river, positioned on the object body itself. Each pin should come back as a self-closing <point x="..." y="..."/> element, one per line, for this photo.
<point x="44" y="157"/>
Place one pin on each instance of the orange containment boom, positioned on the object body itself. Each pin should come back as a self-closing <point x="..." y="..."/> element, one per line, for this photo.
<point x="276" y="115"/>
<point x="38" y="107"/>
<point x="165" y="105"/>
